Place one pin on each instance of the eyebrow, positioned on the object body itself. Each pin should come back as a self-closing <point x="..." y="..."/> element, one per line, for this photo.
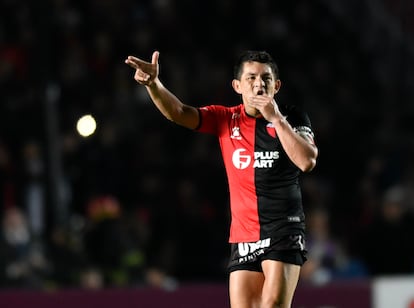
<point x="254" y="74"/>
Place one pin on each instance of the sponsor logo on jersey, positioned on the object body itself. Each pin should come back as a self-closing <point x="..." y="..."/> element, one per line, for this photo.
<point x="249" y="251"/>
<point x="235" y="131"/>
<point x="299" y="241"/>
<point x="293" y="218"/>
<point x="242" y="159"/>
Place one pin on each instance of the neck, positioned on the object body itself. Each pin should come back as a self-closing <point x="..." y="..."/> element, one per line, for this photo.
<point x="253" y="112"/>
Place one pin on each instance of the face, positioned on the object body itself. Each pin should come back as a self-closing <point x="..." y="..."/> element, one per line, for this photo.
<point x="256" y="79"/>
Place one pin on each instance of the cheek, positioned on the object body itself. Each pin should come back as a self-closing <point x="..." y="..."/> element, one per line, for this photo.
<point x="248" y="87"/>
<point x="272" y="89"/>
<point x="243" y="88"/>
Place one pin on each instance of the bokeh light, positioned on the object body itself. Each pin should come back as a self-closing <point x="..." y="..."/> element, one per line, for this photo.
<point x="86" y="125"/>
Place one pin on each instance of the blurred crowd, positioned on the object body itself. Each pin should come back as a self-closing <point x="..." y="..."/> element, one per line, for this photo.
<point x="144" y="202"/>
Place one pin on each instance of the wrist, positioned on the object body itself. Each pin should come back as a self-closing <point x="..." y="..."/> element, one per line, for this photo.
<point x="279" y="120"/>
<point x="153" y="84"/>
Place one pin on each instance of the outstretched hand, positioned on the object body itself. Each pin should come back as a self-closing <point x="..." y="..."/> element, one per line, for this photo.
<point x="145" y="72"/>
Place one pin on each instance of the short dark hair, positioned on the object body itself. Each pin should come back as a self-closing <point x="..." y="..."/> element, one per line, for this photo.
<point x="254" y="56"/>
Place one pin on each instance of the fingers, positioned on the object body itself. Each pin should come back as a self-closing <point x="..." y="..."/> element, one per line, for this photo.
<point x="155" y="56"/>
<point x="135" y="62"/>
<point x="260" y="99"/>
<point x="140" y="76"/>
<point x="261" y="102"/>
<point x="143" y="69"/>
<point x="132" y="62"/>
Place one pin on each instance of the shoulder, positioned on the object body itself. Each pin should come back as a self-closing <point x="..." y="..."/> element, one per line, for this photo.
<point x="291" y="109"/>
<point x="212" y="117"/>
<point x="214" y="108"/>
<point x="295" y="115"/>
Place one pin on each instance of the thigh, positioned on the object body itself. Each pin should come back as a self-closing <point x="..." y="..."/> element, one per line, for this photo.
<point x="245" y="288"/>
<point x="280" y="283"/>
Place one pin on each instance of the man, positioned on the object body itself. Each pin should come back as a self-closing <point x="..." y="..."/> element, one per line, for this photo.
<point x="265" y="146"/>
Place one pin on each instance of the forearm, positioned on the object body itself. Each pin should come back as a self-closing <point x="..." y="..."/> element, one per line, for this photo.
<point x="301" y="151"/>
<point x="171" y="107"/>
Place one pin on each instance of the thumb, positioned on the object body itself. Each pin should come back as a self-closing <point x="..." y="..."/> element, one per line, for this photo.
<point x="155" y="56"/>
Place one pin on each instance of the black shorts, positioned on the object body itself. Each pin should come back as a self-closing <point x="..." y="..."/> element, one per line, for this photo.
<point x="249" y="256"/>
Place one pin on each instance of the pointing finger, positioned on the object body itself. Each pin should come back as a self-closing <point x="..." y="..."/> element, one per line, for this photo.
<point x="132" y="62"/>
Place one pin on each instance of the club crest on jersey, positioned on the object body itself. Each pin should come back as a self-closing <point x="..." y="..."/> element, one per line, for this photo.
<point x="271" y="130"/>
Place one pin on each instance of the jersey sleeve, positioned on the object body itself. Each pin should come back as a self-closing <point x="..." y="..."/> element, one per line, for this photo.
<point x="210" y="119"/>
<point x="299" y="120"/>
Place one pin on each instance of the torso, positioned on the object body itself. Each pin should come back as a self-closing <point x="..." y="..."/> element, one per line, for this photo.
<point x="265" y="197"/>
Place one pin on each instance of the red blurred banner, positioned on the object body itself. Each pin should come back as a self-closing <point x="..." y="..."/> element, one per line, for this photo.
<point x="334" y="295"/>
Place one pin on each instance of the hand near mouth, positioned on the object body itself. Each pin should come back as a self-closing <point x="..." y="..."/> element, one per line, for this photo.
<point x="265" y="105"/>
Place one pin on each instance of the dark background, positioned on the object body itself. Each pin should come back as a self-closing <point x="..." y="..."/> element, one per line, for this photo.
<point x="145" y="201"/>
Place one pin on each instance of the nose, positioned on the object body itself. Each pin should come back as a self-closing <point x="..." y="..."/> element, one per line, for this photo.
<point x="259" y="85"/>
<point x="259" y="82"/>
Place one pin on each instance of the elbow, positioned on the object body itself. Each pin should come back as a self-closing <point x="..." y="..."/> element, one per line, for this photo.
<point x="308" y="166"/>
<point x="173" y="115"/>
<point x="169" y="117"/>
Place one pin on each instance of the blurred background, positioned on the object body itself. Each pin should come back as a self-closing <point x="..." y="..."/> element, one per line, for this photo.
<point x="136" y="200"/>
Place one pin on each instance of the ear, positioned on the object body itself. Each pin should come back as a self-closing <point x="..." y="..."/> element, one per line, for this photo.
<point x="236" y="86"/>
<point x="278" y="84"/>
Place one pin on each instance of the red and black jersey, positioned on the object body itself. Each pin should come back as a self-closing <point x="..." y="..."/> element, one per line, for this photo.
<point x="265" y="196"/>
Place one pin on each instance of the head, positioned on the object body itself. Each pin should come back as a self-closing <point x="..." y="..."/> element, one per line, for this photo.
<point x="256" y="73"/>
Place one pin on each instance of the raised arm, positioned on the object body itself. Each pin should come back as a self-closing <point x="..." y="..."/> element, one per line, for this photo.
<point x="146" y="73"/>
<point x="299" y="146"/>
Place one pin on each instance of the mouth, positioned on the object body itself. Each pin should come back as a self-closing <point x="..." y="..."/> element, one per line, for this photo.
<point x="260" y="92"/>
